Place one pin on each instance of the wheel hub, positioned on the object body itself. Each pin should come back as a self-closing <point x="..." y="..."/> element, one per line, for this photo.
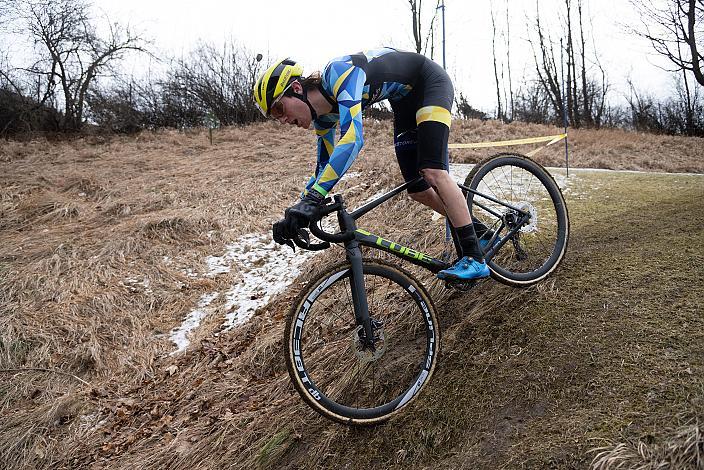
<point x="364" y="352"/>
<point x="532" y="224"/>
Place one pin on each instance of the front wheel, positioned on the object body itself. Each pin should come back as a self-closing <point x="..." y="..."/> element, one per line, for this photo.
<point x="329" y="364"/>
<point x="538" y="246"/>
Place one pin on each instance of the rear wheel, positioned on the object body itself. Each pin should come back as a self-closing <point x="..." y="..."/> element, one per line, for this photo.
<point x="328" y="364"/>
<point x="539" y="245"/>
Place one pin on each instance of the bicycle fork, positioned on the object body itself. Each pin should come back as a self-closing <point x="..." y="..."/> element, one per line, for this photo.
<point x="359" y="292"/>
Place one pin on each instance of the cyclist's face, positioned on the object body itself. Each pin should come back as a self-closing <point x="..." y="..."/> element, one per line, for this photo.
<point x="290" y="110"/>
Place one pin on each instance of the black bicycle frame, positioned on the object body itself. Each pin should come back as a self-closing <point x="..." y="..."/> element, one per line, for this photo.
<point x="348" y="224"/>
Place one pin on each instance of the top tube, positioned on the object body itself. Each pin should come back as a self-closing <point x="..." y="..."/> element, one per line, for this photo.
<point x="359" y="212"/>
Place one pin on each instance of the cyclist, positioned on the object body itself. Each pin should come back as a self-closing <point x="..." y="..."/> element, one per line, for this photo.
<point x="420" y="93"/>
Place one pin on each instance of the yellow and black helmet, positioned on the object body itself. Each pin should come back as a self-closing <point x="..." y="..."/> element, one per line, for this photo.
<point x="274" y="82"/>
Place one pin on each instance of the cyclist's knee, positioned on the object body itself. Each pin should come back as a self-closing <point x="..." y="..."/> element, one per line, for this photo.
<point x="434" y="176"/>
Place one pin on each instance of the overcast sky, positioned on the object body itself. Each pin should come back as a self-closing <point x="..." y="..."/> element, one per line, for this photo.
<point x="315" y="32"/>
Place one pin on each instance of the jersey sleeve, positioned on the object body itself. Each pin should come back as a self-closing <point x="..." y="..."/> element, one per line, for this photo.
<point x="325" y="130"/>
<point x="347" y="82"/>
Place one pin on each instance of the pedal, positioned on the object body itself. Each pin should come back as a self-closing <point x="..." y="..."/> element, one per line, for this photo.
<point x="462" y="286"/>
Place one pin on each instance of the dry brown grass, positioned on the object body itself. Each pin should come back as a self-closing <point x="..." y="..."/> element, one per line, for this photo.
<point x="685" y="450"/>
<point x="614" y="149"/>
<point x="95" y="235"/>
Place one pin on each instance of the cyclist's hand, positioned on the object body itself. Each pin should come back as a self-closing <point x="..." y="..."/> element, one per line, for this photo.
<point x="300" y="214"/>
<point x="281" y="235"/>
<point x="296" y="218"/>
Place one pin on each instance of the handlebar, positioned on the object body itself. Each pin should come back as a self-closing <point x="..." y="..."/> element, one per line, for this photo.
<point x="303" y="240"/>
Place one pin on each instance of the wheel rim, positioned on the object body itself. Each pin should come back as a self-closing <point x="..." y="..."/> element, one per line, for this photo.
<point x="539" y="245"/>
<point x="331" y="366"/>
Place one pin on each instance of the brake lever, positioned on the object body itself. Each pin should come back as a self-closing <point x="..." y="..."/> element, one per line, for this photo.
<point x="304" y="236"/>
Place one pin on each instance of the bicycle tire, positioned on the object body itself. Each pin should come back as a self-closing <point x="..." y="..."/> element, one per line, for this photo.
<point x="540" y="246"/>
<point x="321" y="357"/>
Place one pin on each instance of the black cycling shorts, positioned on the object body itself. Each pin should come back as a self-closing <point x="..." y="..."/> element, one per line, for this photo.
<point x="422" y="124"/>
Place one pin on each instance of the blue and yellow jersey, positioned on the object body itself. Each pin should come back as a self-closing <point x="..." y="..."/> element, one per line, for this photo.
<point x="354" y="82"/>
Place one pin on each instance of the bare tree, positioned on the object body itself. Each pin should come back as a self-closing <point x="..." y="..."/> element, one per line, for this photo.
<point x="583" y="96"/>
<point x="421" y="45"/>
<point x="572" y="95"/>
<point x="675" y="26"/>
<point x="586" y="101"/>
<point x="546" y="68"/>
<point x="505" y="105"/>
<point x="71" y="55"/>
<point x="221" y="80"/>
<point x="509" y="104"/>
<point x="210" y="86"/>
<point x="499" y="106"/>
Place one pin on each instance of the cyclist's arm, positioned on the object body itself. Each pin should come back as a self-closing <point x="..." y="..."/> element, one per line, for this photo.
<point x="325" y="131"/>
<point x="347" y="89"/>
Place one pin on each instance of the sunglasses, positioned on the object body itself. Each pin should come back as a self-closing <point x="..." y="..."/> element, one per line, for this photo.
<point x="276" y="110"/>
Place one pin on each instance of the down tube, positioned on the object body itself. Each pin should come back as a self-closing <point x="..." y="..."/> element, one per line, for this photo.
<point x="409" y="254"/>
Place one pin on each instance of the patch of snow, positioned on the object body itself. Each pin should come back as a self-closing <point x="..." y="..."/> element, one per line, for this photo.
<point x="190" y="273"/>
<point x="220" y="264"/>
<point x="267" y="269"/>
<point x="134" y="284"/>
<point x="90" y="422"/>
<point x="604" y="170"/>
<point x="192" y="321"/>
<point x="459" y="171"/>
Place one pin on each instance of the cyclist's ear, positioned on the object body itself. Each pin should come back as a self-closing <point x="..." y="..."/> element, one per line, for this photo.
<point x="297" y="87"/>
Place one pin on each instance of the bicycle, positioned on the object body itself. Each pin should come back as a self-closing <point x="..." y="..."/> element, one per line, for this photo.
<point x="362" y="338"/>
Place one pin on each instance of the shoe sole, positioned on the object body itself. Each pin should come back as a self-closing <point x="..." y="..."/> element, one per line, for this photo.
<point x="450" y="277"/>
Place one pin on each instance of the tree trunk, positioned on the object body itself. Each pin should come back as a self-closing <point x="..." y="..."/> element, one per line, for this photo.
<point x="415" y="13"/>
<point x="572" y="96"/>
<point x="586" y="98"/>
<point x="508" y="62"/>
<point x="696" y="56"/>
<point x="499" y="112"/>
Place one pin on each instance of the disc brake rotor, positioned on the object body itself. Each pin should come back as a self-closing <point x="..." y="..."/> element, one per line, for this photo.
<point x="532" y="224"/>
<point x="365" y="353"/>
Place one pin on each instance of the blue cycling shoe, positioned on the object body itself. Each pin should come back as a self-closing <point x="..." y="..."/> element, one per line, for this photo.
<point x="465" y="269"/>
<point x="484" y="243"/>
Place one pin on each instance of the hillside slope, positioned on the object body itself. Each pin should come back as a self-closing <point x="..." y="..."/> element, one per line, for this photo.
<point x="98" y="239"/>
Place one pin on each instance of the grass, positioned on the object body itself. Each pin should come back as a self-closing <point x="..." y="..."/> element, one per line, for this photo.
<point x="602" y="365"/>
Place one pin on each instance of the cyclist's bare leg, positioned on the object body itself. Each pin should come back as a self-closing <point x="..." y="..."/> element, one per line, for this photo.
<point x="429" y="198"/>
<point x="448" y="194"/>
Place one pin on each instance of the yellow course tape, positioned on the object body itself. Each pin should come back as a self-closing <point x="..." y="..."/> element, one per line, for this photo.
<point x="550" y="139"/>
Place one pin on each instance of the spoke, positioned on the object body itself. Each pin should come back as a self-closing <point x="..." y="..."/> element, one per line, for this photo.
<point x="548" y="250"/>
<point x="513" y="192"/>
<point x="328" y="344"/>
<point x="530" y="184"/>
<point x="503" y="195"/>
<point x="350" y="306"/>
